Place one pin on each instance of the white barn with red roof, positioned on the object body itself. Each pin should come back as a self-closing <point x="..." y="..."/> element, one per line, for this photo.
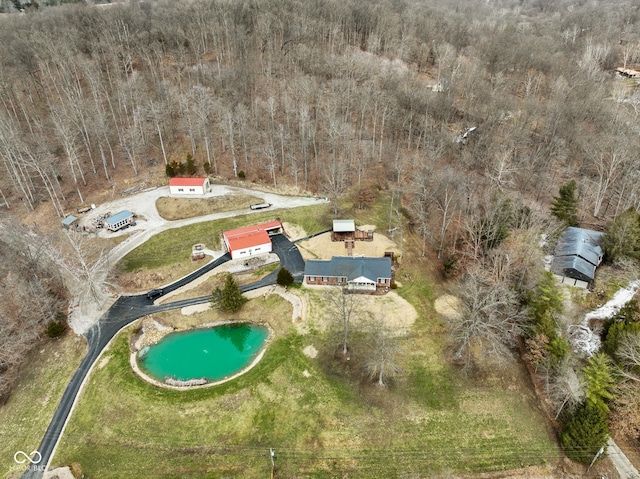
<point x="251" y="240"/>
<point x="189" y="186"/>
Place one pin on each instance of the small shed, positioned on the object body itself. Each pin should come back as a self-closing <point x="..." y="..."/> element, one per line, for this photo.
<point x="118" y="221"/>
<point x="197" y="252"/>
<point x="69" y="221"/>
<point x="189" y="186"/>
<point x="343" y="230"/>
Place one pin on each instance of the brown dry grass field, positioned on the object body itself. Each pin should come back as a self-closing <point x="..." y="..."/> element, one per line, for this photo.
<point x="181" y="208"/>
<point x="321" y="246"/>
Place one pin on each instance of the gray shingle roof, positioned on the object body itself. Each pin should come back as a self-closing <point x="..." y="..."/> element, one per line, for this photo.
<point x="350" y="266"/>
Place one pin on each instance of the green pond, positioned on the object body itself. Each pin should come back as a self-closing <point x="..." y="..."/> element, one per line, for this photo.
<point x="213" y="353"/>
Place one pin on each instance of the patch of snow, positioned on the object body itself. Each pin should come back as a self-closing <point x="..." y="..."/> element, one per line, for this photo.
<point x="620" y="298"/>
<point x="543" y="240"/>
<point x="582" y="337"/>
<point x="584" y="340"/>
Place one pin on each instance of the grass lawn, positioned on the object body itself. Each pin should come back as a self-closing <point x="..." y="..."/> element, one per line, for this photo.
<point x="320" y="421"/>
<point x="174" y="246"/>
<point x="321" y="415"/>
<point x="25" y="417"/>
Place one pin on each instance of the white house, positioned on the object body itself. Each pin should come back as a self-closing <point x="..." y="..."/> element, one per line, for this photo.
<point x="189" y="186"/>
<point x="251" y="240"/>
<point x="118" y="221"/>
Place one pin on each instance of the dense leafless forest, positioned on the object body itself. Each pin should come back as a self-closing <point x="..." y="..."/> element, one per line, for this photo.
<point x="327" y="96"/>
<point x="461" y="109"/>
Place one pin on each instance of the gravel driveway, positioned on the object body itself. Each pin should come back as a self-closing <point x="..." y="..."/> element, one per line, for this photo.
<point x="149" y="223"/>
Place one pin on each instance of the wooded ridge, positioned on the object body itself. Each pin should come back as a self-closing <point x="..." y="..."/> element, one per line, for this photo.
<point x="488" y="124"/>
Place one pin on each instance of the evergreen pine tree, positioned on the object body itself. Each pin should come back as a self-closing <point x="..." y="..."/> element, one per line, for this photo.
<point x="229" y="299"/>
<point x="190" y="166"/>
<point x="544" y="303"/>
<point x="55" y="329"/>
<point x="285" y="278"/>
<point x="565" y="205"/>
<point x="622" y="236"/>
<point x="599" y="379"/>
<point x="626" y="320"/>
<point x="547" y="297"/>
<point x="585" y="433"/>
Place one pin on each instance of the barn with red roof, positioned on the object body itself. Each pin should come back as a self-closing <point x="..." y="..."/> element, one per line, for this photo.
<point x="189" y="186"/>
<point x="251" y="240"/>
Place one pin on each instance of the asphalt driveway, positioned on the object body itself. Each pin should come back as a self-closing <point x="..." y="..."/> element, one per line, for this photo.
<point x="130" y="308"/>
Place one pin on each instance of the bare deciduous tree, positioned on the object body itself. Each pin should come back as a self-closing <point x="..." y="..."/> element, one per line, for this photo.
<point x="447" y="199"/>
<point x="85" y="269"/>
<point x="628" y="354"/>
<point x="565" y="389"/>
<point x="625" y="414"/>
<point x="488" y="321"/>
<point x="342" y="306"/>
<point x="608" y="165"/>
<point x="383" y="353"/>
<point x="33" y="296"/>
<point x="335" y="180"/>
<point x="421" y="201"/>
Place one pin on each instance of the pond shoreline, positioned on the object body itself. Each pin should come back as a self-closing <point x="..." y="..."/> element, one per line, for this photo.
<point x="196" y="383"/>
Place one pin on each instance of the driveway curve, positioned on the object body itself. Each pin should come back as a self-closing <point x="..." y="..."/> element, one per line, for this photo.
<point x="127" y="309"/>
<point x="150" y="223"/>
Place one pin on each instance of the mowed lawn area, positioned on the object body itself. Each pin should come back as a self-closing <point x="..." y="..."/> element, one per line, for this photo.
<point x="167" y="256"/>
<point x="173" y="246"/>
<point x="45" y="373"/>
<point x="322" y="416"/>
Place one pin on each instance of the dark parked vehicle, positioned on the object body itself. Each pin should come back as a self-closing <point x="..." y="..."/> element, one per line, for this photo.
<point x="155" y="294"/>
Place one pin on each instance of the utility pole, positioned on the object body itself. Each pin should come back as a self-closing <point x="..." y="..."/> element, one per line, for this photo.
<point x="596" y="456"/>
<point x="272" y="454"/>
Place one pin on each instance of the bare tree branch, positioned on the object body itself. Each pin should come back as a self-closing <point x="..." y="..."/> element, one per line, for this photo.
<point x="489" y="319"/>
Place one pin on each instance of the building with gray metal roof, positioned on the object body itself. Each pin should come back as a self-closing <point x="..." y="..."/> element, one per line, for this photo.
<point x="578" y="254"/>
<point x="119" y="220"/>
<point x="69" y="221"/>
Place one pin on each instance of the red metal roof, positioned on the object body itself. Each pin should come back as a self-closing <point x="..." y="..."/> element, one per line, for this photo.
<point x="187" y="181"/>
<point x="255" y="238"/>
<point x="249" y="236"/>
<point x="270" y="225"/>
